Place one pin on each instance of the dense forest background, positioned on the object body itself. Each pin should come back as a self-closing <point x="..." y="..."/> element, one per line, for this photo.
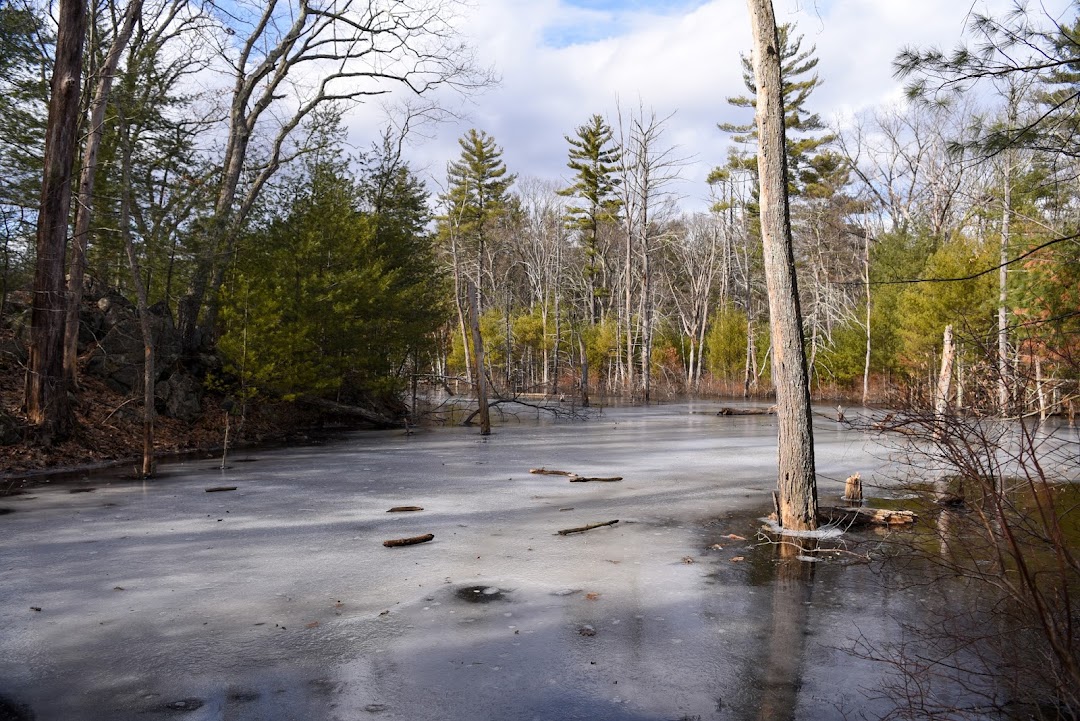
<point x="226" y="238"/>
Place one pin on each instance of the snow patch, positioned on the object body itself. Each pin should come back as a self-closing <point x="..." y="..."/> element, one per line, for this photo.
<point x="828" y="531"/>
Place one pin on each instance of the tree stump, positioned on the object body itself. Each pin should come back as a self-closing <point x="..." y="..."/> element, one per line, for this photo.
<point x="853" y="488"/>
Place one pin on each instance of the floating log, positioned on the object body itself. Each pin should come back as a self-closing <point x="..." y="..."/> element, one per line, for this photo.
<point x="412" y="540"/>
<point x="546" y="472"/>
<point x="865" y="516"/>
<point x="730" y="411"/>
<point x="219" y="489"/>
<point x="404" y="509"/>
<point x="581" y="529"/>
<point x="575" y="478"/>
<point x="853" y="488"/>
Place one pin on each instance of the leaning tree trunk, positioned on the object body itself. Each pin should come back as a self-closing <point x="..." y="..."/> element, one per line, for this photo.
<point x="796" y="479"/>
<point x="47" y="405"/>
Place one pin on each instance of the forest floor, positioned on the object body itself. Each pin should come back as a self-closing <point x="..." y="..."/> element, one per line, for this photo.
<point x="109" y="428"/>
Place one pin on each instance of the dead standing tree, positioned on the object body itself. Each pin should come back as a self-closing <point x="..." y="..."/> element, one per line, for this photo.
<point x="796" y="480"/>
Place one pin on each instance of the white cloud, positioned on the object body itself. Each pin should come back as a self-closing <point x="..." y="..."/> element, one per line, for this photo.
<point x="561" y="63"/>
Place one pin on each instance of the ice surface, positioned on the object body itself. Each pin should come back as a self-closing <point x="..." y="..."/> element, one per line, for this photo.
<point x="278" y="600"/>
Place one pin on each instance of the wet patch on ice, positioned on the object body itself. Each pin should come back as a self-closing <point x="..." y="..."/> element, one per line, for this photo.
<point x="242" y="696"/>
<point x="481" y="594"/>
<point x="12" y="711"/>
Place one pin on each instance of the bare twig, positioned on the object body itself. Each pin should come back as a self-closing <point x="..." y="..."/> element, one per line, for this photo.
<point x="410" y="541"/>
<point x="581" y="529"/>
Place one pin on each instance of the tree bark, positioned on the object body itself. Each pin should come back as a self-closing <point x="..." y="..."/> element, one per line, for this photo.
<point x="796" y="478"/>
<point x="46" y="399"/>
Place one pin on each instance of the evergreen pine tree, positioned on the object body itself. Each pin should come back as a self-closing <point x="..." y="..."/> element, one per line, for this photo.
<point x="24" y="92"/>
<point x="800" y="125"/>
<point x="477" y="197"/>
<point x="594" y="161"/>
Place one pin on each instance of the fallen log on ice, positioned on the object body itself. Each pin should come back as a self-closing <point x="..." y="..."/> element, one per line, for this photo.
<point x="411" y="541"/>
<point x="405" y="509"/>
<point x="575" y="478"/>
<point x="865" y="516"/>
<point x="546" y="472"/>
<point x="582" y="529"/>
<point x="730" y="411"/>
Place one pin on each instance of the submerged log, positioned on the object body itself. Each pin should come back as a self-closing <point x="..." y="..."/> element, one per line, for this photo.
<point x="412" y="540"/>
<point x="852" y="517"/>
<point x="581" y="529"/>
<point x="404" y="509"/>
<point x="219" y="489"/>
<point x="575" y="478"/>
<point x="546" y="472"/>
<point x="375" y="418"/>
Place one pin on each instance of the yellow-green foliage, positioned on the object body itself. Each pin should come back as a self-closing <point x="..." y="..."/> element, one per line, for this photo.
<point x="924" y="309"/>
<point x="843" y="361"/>
<point x="601" y="343"/>
<point x="726" y="344"/>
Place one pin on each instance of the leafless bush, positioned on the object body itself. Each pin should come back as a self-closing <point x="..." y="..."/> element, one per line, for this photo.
<point x="998" y="631"/>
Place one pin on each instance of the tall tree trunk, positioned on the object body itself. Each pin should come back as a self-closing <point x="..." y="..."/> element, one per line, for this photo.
<point x="866" y="358"/>
<point x="149" y="374"/>
<point x="584" y="372"/>
<point x="750" y="368"/>
<point x="1040" y="389"/>
<point x="943" y="391"/>
<point x="478" y="354"/>
<point x="1004" y="380"/>
<point x="629" y="310"/>
<point x="462" y="325"/>
<point x="646" y="320"/>
<point x="796" y="481"/>
<point x="558" y="325"/>
<point x="46" y="399"/>
<point x="85" y="206"/>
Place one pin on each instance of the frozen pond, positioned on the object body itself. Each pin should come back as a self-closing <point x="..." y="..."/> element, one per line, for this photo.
<point x="278" y="601"/>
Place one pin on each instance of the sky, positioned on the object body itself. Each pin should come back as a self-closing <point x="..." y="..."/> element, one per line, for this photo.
<point x="561" y="61"/>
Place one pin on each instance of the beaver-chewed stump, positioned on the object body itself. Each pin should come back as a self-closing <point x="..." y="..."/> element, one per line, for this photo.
<point x="853" y="488"/>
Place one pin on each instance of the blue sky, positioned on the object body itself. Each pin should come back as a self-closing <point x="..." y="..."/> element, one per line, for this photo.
<point x="563" y="60"/>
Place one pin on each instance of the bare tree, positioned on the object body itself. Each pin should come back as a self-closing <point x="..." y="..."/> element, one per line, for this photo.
<point x="648" y="169"/>
<point x="694" y="256"/>
<point x="797" y="482"/>
<point x="541" y="241"/>
<point x="295" y="57"/>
